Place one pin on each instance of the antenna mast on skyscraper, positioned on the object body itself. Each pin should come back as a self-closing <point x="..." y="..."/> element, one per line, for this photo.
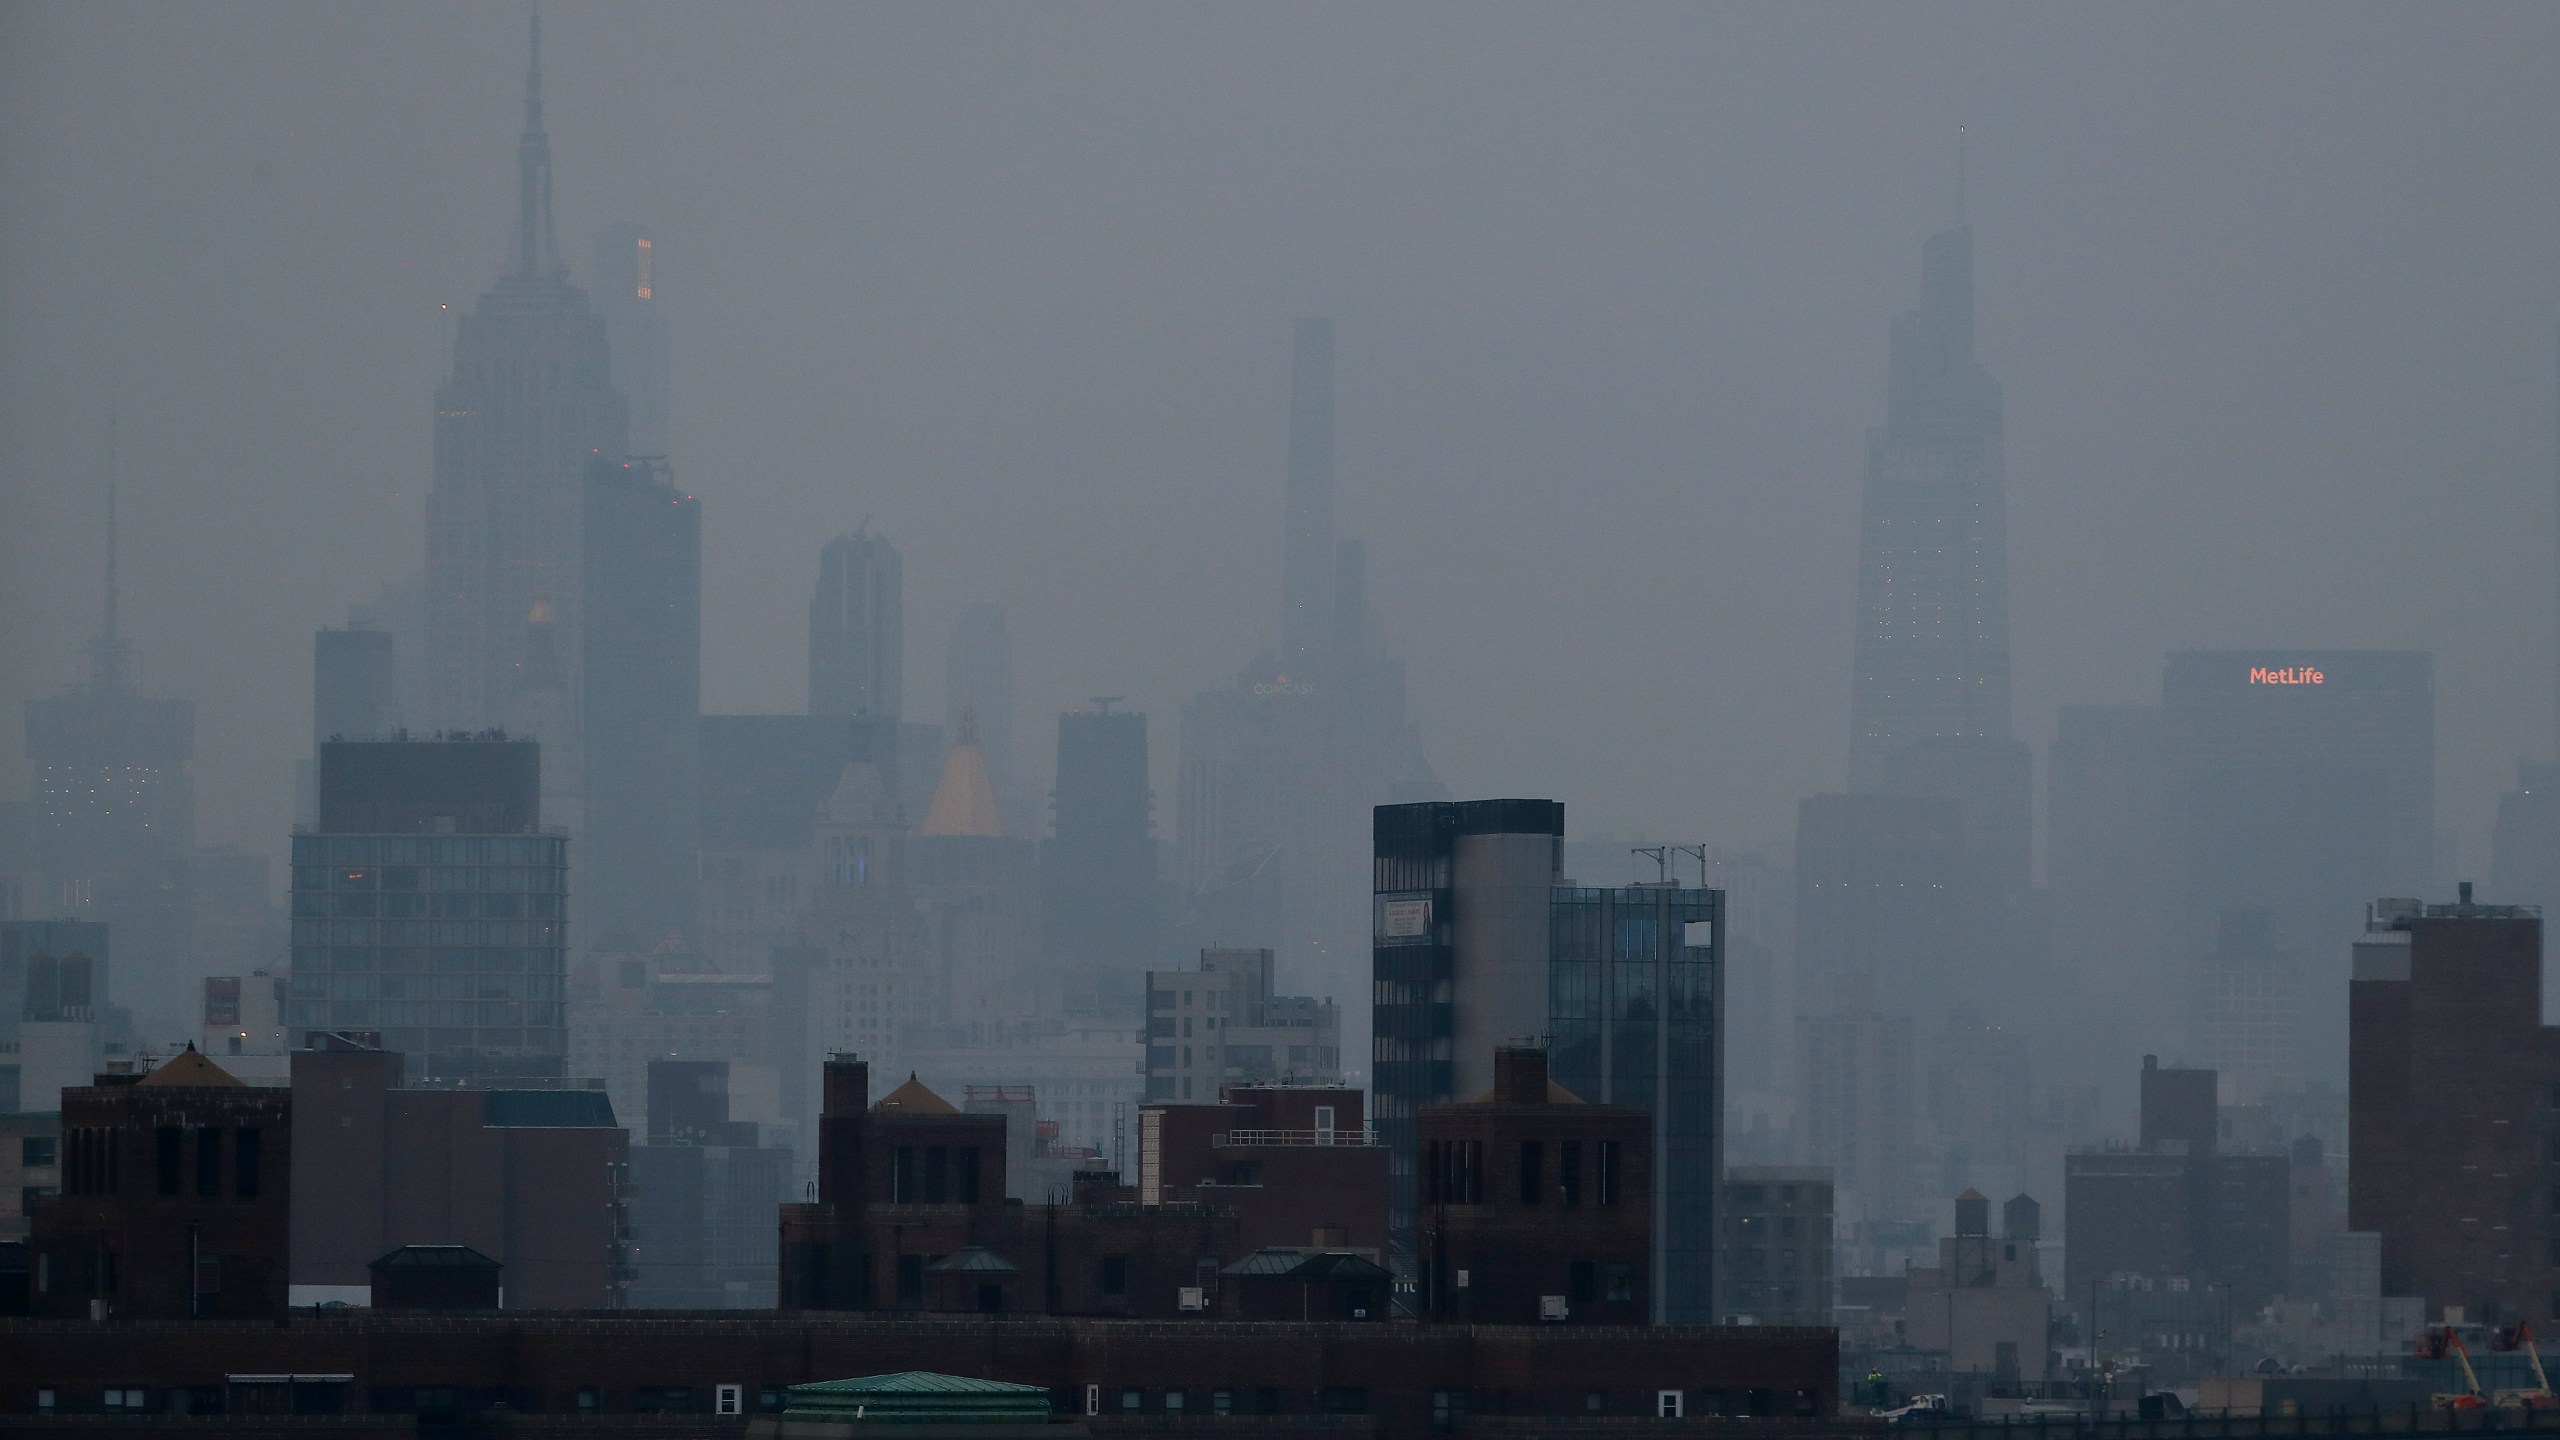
<point x="107" y="653"/>
<point x="1960" y="148"/>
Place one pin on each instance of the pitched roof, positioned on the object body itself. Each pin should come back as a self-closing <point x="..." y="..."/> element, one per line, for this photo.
<point x="965" y="802"/>
<point x="918" y="1397"/>
<point x="190" y="1069"/>
<point x="914" y="1099"/>
<point x="919" y="1382"/>
<point x="1282" y="1263"/>
<point x="440" y="1257"/>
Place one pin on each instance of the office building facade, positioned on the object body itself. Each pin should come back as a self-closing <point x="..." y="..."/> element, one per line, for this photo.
<point x="1099" y="873"/>
<point x="642" y="704"/>
<point x="430" y="906"/>
<point x="1220" y="1025"/>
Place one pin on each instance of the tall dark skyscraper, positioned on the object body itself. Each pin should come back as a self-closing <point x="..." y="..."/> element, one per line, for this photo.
<point x="113" y="817"/>
<point x="429" y="904"/>
<point x="643" y="700"/>
<point x="1279" y="771"/>
<point x="530" y="403"/>
<point x="627" y="294"/>
<point x="858" y="629"/>
<point x="1099" y="874"/>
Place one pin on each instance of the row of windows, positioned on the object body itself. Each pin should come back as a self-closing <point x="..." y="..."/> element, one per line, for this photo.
<point x="96" y="1160"/>
<point x="451" y="960"/>
<point x="413" y="879"/>
<point x="544" y="850"/>
<point x="427" y="987"/>
<point x="309" y="931"/>
<point x="496" y="905"/>
<point x="1455" y="1173"/>
<point x="455" y="1014"/>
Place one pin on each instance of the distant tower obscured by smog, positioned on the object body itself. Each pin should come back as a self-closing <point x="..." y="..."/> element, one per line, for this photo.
<point x="530" y="403"/>
<point x="1279" y="771"/>
<point x="642" y="703"/>
<point x="858" y="629"/>
<point x="113" y="816"/>
<point x="629" y="295"/>
<point x="978" y="681"/>
<point x="1099" y="873"/>
<point x="1933" y="562"/>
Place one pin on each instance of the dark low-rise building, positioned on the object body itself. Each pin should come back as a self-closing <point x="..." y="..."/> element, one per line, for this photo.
<point x="1298" y="1164"/>
<point x="1535" y="1206"/>
<point x="2178" y="1208"/>
<point x="1203" y="1377"/>
<point x="534" y="1179"/>
<point x="173" y="1202"/>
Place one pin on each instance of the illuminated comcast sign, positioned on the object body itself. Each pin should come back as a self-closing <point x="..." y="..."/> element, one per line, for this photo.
<point x="2285" y="675"/>
<point x="1283" y="685"/>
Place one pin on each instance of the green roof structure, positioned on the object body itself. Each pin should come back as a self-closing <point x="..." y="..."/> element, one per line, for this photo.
<point x="918" y="1397"/>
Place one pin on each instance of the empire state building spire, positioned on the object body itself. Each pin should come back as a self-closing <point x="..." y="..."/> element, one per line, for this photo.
<point x="537" y="244"/>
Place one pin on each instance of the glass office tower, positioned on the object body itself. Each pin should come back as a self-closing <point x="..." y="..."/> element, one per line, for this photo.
<point x="429" y="906"/>
<point x="1635" y="986"/>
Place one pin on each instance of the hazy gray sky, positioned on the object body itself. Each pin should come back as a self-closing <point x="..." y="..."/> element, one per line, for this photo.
<point x="2272" y="292"/>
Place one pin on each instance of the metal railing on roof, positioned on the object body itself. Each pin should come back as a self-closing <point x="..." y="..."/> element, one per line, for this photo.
<point x="1364" y="1135"/>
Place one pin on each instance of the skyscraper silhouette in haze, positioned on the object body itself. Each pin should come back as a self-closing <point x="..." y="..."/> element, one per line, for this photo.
<point x="642" y="705"/>
<point x="858" y="629"/>
<point x="635" y="318"/>
<point x="114" y="816"/>
<point x="1929" y="699"/>
<point x="1933" y="563"/>
<point x="530" y="403"/>
<point x="1279" y="771"/>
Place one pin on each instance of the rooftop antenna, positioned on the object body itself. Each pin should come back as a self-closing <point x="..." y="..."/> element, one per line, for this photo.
<point x="1660" y="855"/>
<point x="1102" y="703"/>
<point x="1697" y="852"/>
<point x="1960" y="149"/>
<point x="108" y="653"/>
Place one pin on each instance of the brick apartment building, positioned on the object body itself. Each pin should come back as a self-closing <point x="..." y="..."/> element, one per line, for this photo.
<point x="912" y="1215"/>
<point x="174" y="1188"/>
<point x="1298" y="1164"/>
<point x="1535" y="1206"/>
<point x="2453" y="1108"/>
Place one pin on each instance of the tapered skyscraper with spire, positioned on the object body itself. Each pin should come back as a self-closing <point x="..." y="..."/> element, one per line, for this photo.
<point x="529" y="405"/>
<point x="1280" y="771"/>
<point x="114" y="818"/>
<point x="1933" y="543"/>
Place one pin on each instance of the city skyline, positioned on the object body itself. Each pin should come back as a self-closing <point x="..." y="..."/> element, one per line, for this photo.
<point x="1782" y="505"/>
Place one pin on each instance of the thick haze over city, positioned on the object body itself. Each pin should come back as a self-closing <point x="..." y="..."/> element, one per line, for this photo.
<point x="2270" y="291"/>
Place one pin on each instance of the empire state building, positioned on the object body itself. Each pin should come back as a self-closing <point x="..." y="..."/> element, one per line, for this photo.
<point x="529" y="406"/>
